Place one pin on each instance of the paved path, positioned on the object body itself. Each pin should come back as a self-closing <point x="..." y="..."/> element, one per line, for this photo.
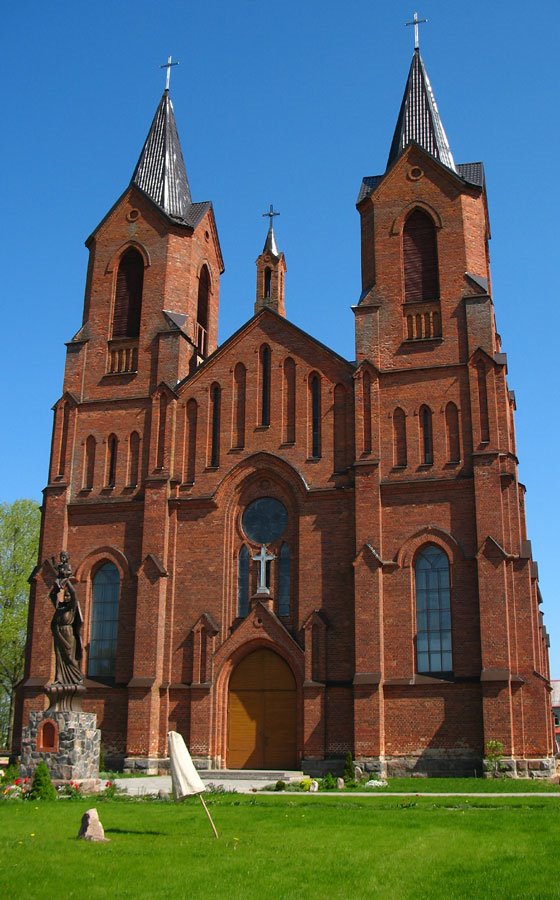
<point x="154" y="784"/>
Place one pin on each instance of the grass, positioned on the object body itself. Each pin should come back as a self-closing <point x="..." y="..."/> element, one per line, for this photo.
<point x="289" y="846"/>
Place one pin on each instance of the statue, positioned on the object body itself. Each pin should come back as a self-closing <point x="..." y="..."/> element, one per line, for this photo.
<point x="66" y="626"/>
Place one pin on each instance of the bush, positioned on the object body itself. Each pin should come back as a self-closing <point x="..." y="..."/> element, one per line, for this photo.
<point x="42" y="787"/>
<point x="329" y="782"/>
<point x="348" y="773"/>
<point x="280" y="785"/>
<point x="9" y="775"/>
<point x="494" y="754"/>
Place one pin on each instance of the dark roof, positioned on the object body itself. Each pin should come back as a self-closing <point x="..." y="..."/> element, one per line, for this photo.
<point x="419" y="118"/>
<point x="472" y="172"/>
<point x="368" y="185"/>
<point x="160" y="172"/>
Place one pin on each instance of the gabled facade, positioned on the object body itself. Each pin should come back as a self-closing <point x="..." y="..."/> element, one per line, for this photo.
<point x="281" y="554"/>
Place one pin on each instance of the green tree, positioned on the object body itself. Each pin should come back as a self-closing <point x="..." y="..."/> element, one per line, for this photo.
<point x="19" y="541"/>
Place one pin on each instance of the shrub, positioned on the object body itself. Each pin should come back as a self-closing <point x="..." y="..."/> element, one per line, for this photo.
<point x="280" y="785"/>
<point x="9" y="775"/>
<point x="305" y="784"/>
<point x="329" y="782"/>
<point x="494" y="754"/>
<point x="348" y="773"/>
<point x="42" y="787"/>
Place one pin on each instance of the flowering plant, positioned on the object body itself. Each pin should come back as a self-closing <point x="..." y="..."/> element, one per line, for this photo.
<point x="18" y="790"/>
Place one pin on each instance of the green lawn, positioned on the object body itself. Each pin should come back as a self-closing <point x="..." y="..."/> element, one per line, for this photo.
<point x="289" y="846"/>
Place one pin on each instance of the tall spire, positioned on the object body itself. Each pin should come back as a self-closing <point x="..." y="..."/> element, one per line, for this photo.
<point x="160" y="171"/>
<point x="270" y="242"/>
<point x="419" y="118"/>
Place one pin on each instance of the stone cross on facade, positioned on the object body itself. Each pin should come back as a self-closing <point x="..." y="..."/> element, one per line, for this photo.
<point x="262" y="557"/>
<point x="167" y="66"/>
<point x="416" y="22"/>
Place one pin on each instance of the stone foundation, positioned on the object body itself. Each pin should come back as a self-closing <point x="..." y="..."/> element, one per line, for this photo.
<point x="510" y="767"/>
<point x="74" y="755"/>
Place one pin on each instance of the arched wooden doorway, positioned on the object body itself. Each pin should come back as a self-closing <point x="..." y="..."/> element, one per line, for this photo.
<point x="262" y="717"/>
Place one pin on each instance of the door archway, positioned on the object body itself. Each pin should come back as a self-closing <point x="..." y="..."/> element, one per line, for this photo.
<point x="262" y="713"/>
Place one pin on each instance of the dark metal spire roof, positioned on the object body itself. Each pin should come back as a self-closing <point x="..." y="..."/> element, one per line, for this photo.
<point x="160" y="171"/>
<point x="270" y="243"/>
<point x="419" y="118"/>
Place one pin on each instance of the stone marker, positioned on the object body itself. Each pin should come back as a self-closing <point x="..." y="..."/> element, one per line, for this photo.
<point x="91" y="828"/>
<point x="340" y="784"/>
<point x="314" y="787"/>
<point x="358" y="773"/>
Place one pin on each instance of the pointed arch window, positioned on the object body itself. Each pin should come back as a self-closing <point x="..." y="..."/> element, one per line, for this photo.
<point x="112" y="452"/>
<point x="340" y="437"/>
<point x="201" y="337"/>
<point x="284" y="577"/>
<point x="191" y="413"/>
<point x="366" y="387"/>
<point x="133" y="459"/>
<point x="267" y="281"/>
<point x="433" y="611"/>
<point x="215" y="403"/>
<point x="420" y="258"/>
<point x="315" y="404"/>
<point x="64" y="439"/>
<point x="128" y="295"/>
<point x="426" y="437"/>
<point x="89" y="463"/>
<point x="240" y="387"/>
<point x="162" y="424"/>
<point x="289" y="399"/>
<point x="104" y="622"/>
<point x="265" y="384"/>
<point x="452" y="433"/>
<point x="243" y="571"/>
<point x="483" y="403"/>
<point x="399" y="438"/>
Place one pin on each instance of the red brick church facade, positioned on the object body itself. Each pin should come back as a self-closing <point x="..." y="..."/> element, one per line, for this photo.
<point x="398" y="614"/>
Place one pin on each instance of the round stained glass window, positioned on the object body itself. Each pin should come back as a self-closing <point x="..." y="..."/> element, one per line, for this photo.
<point x="265" y="520"/>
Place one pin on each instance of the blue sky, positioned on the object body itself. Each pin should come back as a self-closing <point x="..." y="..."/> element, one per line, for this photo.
<point x="290" y="103"/>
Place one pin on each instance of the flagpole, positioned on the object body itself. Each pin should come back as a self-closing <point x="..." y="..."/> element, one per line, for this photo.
<point x="207" y="811"/>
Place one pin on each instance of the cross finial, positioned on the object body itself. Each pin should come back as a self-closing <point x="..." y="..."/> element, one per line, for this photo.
<point x="416" y="22"/>
<point x="167" y="66"/>
<point x="271" y="213"/>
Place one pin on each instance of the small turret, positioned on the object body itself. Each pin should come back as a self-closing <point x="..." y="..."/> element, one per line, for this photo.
<point x="271" y="269"/>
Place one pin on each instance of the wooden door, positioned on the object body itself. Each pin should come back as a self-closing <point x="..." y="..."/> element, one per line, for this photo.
<point x="262" y="714"/>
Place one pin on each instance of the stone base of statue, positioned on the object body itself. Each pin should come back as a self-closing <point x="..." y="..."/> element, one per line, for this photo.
<point x="68" y="740"/>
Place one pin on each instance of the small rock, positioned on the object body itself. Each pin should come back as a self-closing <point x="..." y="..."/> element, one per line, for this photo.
<point x="340" y="784"/>
<point x="374" y="782"/>
<point x="313" y="787"/>
<point x="91" y="828"/>
<point x="358" y="773"/>
<point x="163" y="795"/>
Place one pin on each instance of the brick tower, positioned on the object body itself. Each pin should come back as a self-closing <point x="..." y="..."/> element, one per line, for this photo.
<point x="281" y="554"/>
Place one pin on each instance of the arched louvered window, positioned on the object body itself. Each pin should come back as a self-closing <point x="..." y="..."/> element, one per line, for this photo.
<point x="64" y="439"/>
<point x="191" y="413"/>
<point x="202" y="311"/>
<point x="289" y="400"/>
<point x="267" y="281"/>
<point x="215" y="403"/>
<point x="128" y="295"/>
<point x="112" y="451"/>
<point x="452" y="433"/>
<point x="133" y="459"/>
<point x="104" y="622"/>
<point x="420" y="258"/>
<point x="399" y="438"/>
<point x="315" y="404"/>
<point x="284" y="577"/>
<point x="89" y="463"/>
<point x="433" y="611"/>
<point x="265" y="384"/>
<point x="162" y="424"/>
<point x="243" y="564"/>
<point x="240" y="386"/>
<point x="427" y="445"/>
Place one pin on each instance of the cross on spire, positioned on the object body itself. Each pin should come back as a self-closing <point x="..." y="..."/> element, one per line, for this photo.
<point x="167" y="66"/>
<point x="271" y="213"/>
<point x="416" y="22"/>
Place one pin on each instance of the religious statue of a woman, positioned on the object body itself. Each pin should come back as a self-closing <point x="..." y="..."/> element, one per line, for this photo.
<point x="66" y="626"/>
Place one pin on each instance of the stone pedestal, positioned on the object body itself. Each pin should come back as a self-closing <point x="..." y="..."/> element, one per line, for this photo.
<point x="67" y="740"/>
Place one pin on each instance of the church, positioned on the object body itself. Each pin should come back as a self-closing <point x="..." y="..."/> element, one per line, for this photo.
<point x="279" y="553"/>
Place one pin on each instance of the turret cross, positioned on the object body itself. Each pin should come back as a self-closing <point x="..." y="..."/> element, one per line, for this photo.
<point x="416" y="22"/>
<point x="262" y="557"/>
<point x="271" y="213"/>
<point x="167" y="66"/>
